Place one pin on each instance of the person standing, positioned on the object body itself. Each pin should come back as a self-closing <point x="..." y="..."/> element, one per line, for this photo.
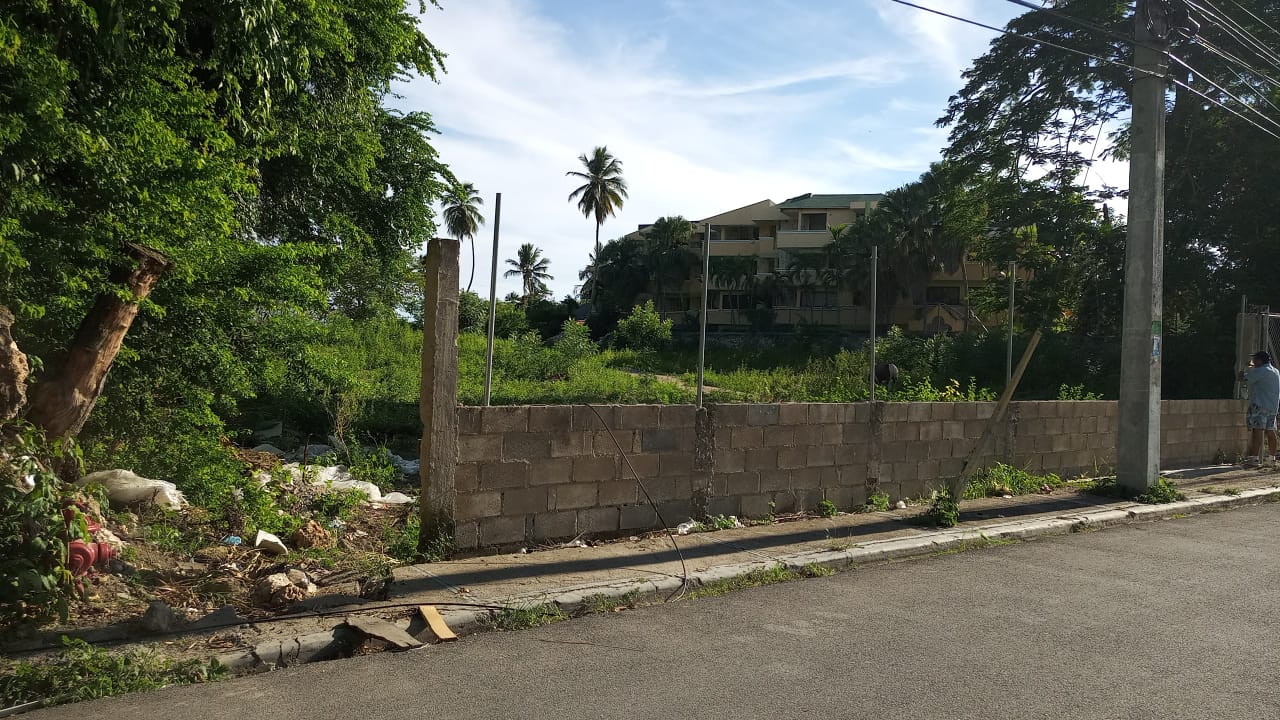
<point x="1264" y="403"/>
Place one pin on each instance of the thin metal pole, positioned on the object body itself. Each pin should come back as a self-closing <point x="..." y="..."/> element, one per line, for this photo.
<point x="493" y="301"/>
<point x="1008" y="358"/>
<point x="875" y="260"/>
<point x="702" y="323"/>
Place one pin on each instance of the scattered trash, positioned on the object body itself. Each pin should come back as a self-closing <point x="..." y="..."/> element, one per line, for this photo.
<point x="524" y="551"/>
<point x="224" y="616"/>
<point x="901" y="505"/>
<point x="269" y="543"/>
<point x="126" y="488"/>
<point x="337" y="523"/>
<point x="232" y="540"/>
<point x="736" y="522"/>
<point x="574" y="543"/>
<point x="395" y="498"/>
<point x="687" y="527"/>
<point x="437" y="624"/>
<point x="313" y="535"/>
<point x="330" y="477"/>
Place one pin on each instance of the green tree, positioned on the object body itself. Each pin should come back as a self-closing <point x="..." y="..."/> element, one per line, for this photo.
<point x="531" y="268"/>
<point x="602" y="192"/>
<point x="462" y="217"/>
<point x="668" y="257"/>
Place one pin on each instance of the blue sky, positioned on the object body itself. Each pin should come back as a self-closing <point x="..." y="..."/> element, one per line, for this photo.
<point x="709" y="104"/>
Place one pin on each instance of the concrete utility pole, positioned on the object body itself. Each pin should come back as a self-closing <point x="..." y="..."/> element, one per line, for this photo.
<point x="438" y="405"/>
<point x="493" y="301"/>
<point x="1138" y="439"/>
<point x="875" y="259"/>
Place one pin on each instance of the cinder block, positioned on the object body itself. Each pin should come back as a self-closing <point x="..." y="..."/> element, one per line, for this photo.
<point x="952" y="430"/>
<point x="895" y="412"/>
<point x="793" y="413"/>
<point x="606" y="442"/>
<point x="919" y="411"/>
<point x="637" y="417"/>
<point x="730" y="505"/>
<point x="673" y="464"/>
<point x="743" y="484"/>
<point x="554" y="471"/>
<point x="904" y="472"/>
<point x="931" y="430"/>
<point x="468" y="420"/>
<point x="973" y="429"/>
<point x="808" y="499"/>
<point x="746" y="437"/>
<point x="762" y="414"/>
<point x="598" y="520"/>
<point x="616" y="492"/>
<point x="594" y="469"/>
<point x="730" y="461"/>
<point x="819" y="456"/>
<point x="466" y="477"/>
<point x="479" y="448"/>
<point x="550" y="418"/>
<point x="525" y="501"/>
<point x="568" y="443"/>
<point x="853" y="475"/>
<point x="466" y="534"/>
<point x="780" y="435"/>
<point x="858" y="413"/>
<point x="806" y="478"/>
<point x="762" y="459"/>
<point x="677" y="416"/>
<point x="756" y="506"/>
<point x="632" y="517"/>
<point x="856" y="433"/>
<point x="470" y="506"/>
<point x="595" y="418"/>
<point x="666" y="489"/>
<point x="646" y="466"/>
<point x="792" y="457"/>
<point x="550" y="525"/>
<point x="505" y="419"/>
<point x="783" y="502"/>
<point x="501" y="530"/>
<point x="656" y="439"/>
<point x="772" y="480"/>
<point x="729" y="415"/>
<point x="526" y="446"/>
<point x="573" y="496"/>
<point x="832" y="434"/>
<point x="502" y="475"/>
<point x="902" y="431"/>
<point x="824" y="413"/>
<point x="841" y="497"/>
<point x="674" y="511"/>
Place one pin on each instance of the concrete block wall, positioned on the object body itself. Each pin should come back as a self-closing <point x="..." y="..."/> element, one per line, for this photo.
<point x="538" y="473"/>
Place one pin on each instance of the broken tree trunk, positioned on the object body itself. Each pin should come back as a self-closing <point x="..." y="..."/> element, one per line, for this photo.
<point x="13" y="370"/>
<point x="61" y="403"/>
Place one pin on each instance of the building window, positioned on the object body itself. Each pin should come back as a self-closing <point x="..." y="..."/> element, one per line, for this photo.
<point x="817" y="298"/>
<point x="740" y="233"/>
<point x="735" y="301"/>
<point x="942" y="295"/>
<point x="813" y="221"/>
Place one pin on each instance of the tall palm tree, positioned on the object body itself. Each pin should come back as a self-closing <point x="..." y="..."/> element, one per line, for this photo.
<point x="667" y="255"/>
<point x="531" y="268"/>
<point x="602" y="192"/>
<point x="462" y="218"/>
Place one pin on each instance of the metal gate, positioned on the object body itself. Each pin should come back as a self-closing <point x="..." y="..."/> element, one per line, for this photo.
<point x="1257" y="328"/>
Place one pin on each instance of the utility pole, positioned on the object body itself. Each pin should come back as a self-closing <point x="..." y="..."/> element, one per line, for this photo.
<point x="493" y="302"/>
<point x="875" y="260"/>
<point x="702" y="322"/>
<point x="1138" y="438"/>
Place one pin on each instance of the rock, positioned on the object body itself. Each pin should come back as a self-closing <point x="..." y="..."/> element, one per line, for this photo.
<point x="269" y="543"/>
<point x="159" y="618"/>
<point x="300" y="578"/>
<point x="396" y="498"/>
<point x="269" y="448"/>
<point x="312" y="535"/>
<point x="224" y="616"/>
<point x="126" y="488"/>
<point x="901" y="505"/>
<point x="278" y="590"/>
<point x="220" y="587"/>
<point x="106" y="537"/>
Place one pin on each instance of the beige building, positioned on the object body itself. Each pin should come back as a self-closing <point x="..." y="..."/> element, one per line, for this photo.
<point x="765" y="272"/>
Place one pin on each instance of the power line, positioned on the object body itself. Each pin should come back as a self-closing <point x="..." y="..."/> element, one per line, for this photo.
<point x="1262" y="95"/>
<point x="1028" y="38"/>
<point x="1224" y="91"/>
<point x="1248" y="12"/>
<point x="1236" y="31"/>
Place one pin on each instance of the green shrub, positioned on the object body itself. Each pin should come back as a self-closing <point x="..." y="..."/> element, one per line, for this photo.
<point x="943" y="510"/>
<point x="827" y="509"/>
<point x="373" y="465"/>
<point x="876" y="502"/>
<point x="509" y="320"/>
<point x="1001" y="479"/>
<point x="338" y="504"/>
<point x="1161" y="492"/>
<point x="82" y="672"/>
<point x="35" y="583"/>
<point x="473" y="313"/>
<point x="1076" y="392"/>
<point x="575" y="342"/>
<point x="643" y="329"/>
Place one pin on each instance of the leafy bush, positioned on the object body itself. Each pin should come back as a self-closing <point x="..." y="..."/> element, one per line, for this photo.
<point x="83" y="672"/>
<point x="1161" y="492"/>
<point x="943" y="510"/>
<point x="35" y="583"/>
<point x="643" y="329"/>
<point x="509" y="320"/>
<point x="575" y="342"/>
<point x="1076" y="392"/>
<point x="827" y="509"/>
<point x="338" y="503"/>
<point x="473" y="313"/>
<point x="876" y="502"/>
<point x="373" y="465"/>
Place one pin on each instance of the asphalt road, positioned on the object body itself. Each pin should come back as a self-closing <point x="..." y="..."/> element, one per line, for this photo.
<point x="1175" y="619"/>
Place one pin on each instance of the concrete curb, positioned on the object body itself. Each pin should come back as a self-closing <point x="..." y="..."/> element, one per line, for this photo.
<point x="338" y="643"/>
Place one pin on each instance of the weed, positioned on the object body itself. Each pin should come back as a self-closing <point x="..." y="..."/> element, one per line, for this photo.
<point x="1002" y="479"/>
<point x="1231" y="491"/>
<point x="978" y="544"/>
<point x="83" y="672"/>
<point x="758" y="578"/>
<point x="1161" y="492"/>
<point x="1179" y="516"/>
<point x="717" y="522"/>
<point x="172" y="536"/>
<point x="374" y="466"/>
<point x="876" y="502"/>
<point x="603" y="604"/>
<point x="340" y="504"/>
<point x="516" y="618"/>
<point x="839" y="545"/>
<point x="1221" y="457"/>
<point x="816" y="570"/>
<point x="827" y="509"/>
<point x="943" y="509"/>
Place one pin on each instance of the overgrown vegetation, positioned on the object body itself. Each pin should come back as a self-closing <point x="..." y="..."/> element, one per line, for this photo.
<point x="757" y="578"/>
<point x="83" y="672"/>
<point x="943" y="510"/>
<point x="1161" y="492"/>
<point x="827" y="509"/>
<point x="523" y="618"/>
<point x="876" y="502"/>
<point x="1001" y="479"/>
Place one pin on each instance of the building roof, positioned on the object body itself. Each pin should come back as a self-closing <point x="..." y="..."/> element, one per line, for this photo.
<point x="810" y="200"/>
<point x="746" y="215"/>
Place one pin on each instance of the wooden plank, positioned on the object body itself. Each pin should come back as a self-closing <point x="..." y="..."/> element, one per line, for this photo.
<point x="436" y="622"/>
<point x="383" y="630"/>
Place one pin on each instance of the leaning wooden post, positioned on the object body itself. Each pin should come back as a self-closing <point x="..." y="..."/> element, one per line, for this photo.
<point x="438" y="404"/>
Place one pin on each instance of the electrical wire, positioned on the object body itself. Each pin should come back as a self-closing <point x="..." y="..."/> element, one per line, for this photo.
<point x="1236" y="31"/>
<point x="1249" y="12"/>
<point x="1262" y="95"/>
<point x="1225" y="91"/>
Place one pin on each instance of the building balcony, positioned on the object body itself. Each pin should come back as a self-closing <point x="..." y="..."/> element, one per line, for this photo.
<point x="803" y="238"/>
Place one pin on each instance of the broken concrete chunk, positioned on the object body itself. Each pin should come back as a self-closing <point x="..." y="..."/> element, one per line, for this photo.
<point x="278" y="590"/>
<point x="159" y="618"/>
<point x="383" y="630"/>
<point x="269" y="543"/>
<point x="313" y="535"/>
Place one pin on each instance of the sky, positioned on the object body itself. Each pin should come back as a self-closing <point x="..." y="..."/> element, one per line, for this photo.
<point x="710" y="105"/>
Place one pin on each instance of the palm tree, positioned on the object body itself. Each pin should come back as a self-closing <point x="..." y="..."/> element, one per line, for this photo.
<point x="602" y="192"/>
<point x="462" y="218"/>
<point x="667" y="255"/>
<point x="531" y="268"/>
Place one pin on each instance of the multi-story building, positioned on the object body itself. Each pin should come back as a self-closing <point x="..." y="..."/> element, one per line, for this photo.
<point x="766" y="271"/>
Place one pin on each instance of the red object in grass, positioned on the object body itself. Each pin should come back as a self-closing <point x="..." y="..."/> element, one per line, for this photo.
<point x="81" y="555"/>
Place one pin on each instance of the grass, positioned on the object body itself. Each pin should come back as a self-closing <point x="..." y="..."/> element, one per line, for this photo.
<point x="605" y="604"/>
<point x="758" y="578"/>
<point x="978" y="544"/>
<point x="1002" y="479"/>
<point x="1159" y="493"/>
<point x="83" y="672"/>
<point x="523" y="618"/>
<point x="876" y="502"/>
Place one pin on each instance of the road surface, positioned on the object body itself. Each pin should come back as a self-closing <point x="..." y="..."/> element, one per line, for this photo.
<point x="1175" y="619"/>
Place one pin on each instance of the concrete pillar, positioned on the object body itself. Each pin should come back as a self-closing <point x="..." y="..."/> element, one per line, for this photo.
<point x="438" y="404"/>
<point x="704" y="459"/>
